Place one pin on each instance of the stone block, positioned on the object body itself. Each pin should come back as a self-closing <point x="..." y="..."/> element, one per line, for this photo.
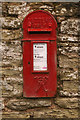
<point x="67" y="38"/>
<point x="59" y="18"/>
<point x="35" y="6"/>
<point x="11" y="34"/>
<point x="24" y="104"/>
<point x="17" y="8"/>
<point x="43" y="113"/>
<point x="1" y="104"/>
<point x="16" y="114"/>
<point x="12" y="60"/>
<point x="68" y="49"/>
<point x="23" y="14"/>
<point x="14" y="65"/>
<point x="0" y="9"/>
<point x="70" y="26"/>
<point x="12" y="90"/>
<point x="67" y="102"/>
<point x="4" y="8"/>
<point x="70" y="88"/>
<point x="50" y="4"/>
<point x="15" y="79"/>
<point x="0" y="115"/>
<point x="68" y="60"/>
<point x="18" y="90"/>
<point x="69" y="74"/>
<point x="12" y="50"/>
<point x="65" y="93"/>
<point x="56" y="112"/>
<point x="10" y="22"/>
<point x="10" y="72"/>
<point x="6" y="86"/>
<point x="67" y="9"/>
<point x="65" y="62"/>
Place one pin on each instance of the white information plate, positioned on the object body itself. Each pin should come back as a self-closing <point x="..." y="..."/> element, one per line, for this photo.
<point x="40" y="56"/>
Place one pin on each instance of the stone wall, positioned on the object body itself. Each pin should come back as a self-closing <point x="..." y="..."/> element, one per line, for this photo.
<point x="66" y="102"/>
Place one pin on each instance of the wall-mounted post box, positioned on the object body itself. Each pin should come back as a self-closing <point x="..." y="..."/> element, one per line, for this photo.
<point x="39" y="55"/>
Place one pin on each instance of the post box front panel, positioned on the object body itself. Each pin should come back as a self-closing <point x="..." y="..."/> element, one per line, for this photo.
<point x="39" y="55"/>
<point x="39" y="82"/>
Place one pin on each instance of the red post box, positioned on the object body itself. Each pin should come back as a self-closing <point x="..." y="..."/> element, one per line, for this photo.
<point x="39" y="55"/>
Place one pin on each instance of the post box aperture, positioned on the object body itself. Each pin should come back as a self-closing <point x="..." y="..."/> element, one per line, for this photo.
<point x="39" y="55"/>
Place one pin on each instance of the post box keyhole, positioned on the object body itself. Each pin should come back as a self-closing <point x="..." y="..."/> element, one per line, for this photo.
<point x="28" y="62"/>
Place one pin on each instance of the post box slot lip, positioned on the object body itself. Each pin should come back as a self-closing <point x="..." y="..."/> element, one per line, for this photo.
<point x="39" y="31"/>
<point x="37" y="40"/>
<point x="40" y="72"/>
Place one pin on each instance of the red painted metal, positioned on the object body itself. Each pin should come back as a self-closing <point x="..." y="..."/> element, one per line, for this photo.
<point x="39" y="27"/>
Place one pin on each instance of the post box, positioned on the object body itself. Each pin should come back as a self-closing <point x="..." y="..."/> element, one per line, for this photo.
<point x="39" y="55"/>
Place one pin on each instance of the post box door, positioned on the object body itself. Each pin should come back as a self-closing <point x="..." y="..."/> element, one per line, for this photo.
<point x="40" y="72"/>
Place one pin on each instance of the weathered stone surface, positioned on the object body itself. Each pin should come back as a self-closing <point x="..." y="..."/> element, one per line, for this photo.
<point x="1" y="104"/>
<point x="24" y="14"/>
<point x="70" y="88"/>
<point x="47" y="8"/>
<point x="68" y="49"/>
<point x="43" y="113"/>
<point x="66" y="93"/>
<point x="59" y="19"/>
<point x="10" y="22"/>
<point x="41" y="4"/>
<point x="15" y="114"/>
<point x="70" y="26"/>
<point x="67" y="9"/>
<point x="0" y="115"/>
<point x="12" y="90"/>
<point x="24" y="104"/>
<point x="6" y="86"/>
<point x="12" y="50"/>
<point x="11" y="55"/>
<point x="4" y="8"/>
<point x="65" y="62"/>
<point x="13" y="64"/>
<point x="69" y="74"/>
<point x="18" y="8"/>
<point x="0" y="9"/>
<point x="18" y="90"/>
<point x="68" y="60"/>
<point x="11" y="34"/>
<point x="56" y="113"/>
<point x="67" y="38"/>
<point x="10" y="72"/>
<point x="36" y="6"/>
<point x="67" y="102"/>
<point x="12" y="61"/>
<point x="15" y="79"/>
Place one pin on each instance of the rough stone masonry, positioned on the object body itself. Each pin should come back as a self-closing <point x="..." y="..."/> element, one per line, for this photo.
<point x="66" y="102"/>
